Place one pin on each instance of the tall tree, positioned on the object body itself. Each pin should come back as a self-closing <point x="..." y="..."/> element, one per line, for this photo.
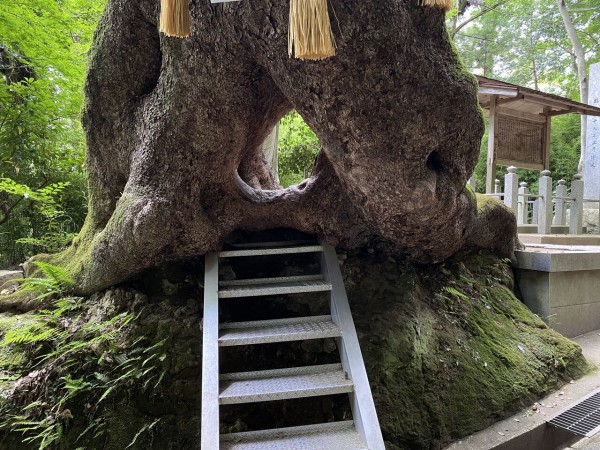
<point x="399" y="125"/>
<point x="580" y="63"/>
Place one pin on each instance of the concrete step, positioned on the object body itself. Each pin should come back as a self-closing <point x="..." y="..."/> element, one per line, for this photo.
<point x="279" y="330"/>
<point x="327" y="436"/>
<point x="281" y="384"/>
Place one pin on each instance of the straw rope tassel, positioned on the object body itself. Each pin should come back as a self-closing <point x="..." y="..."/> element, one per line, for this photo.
<point x="175" y="18"/>
<point x="310" y="35"/>
<point x="446" y="5"/>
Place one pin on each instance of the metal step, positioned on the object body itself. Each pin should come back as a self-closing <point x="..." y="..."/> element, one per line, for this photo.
<point x="254" y="245"/>
<point x="326" y="436"/>
<point x="279" y="330"/>
<point x="271" y="251"/>
<point x="281" y="384"/>
<point x="250" y="281"/>
<point x="274" y="288"/>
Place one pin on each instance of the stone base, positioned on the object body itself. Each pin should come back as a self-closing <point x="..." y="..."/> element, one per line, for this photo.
<point x="533" y="229"/>
<point x="560" y="239"/>
<point x="590" y="219"/>
<point x="560" y="283"/>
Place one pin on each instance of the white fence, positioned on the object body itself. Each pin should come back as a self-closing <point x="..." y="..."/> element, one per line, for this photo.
<point x="546" y="207"/>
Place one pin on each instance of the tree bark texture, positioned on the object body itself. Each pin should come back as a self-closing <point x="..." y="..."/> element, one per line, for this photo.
<point x="175" y="126"/>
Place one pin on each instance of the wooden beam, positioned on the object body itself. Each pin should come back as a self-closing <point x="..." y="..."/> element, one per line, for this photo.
<point x="519" y="164"/>
<point x="490" y="175"/>
<point x="565" y="111"/>
<point x="541" y="100"/>
<point x="504" y="91"/>
<point x="547" y="129"/>
<point x="502" y="101"/>
<point x="521" y="115"/>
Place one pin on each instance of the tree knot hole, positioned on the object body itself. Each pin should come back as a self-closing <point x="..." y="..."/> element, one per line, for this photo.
<point x="434" y="162"/>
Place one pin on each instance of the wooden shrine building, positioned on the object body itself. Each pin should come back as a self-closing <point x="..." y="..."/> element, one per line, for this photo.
<point x="519" y="124"/>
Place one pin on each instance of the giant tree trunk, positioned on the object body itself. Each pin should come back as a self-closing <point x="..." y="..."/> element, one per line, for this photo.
<point x="175" y="126"/>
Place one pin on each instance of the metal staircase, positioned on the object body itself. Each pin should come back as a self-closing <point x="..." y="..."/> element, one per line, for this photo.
<point x="348" y="376"/>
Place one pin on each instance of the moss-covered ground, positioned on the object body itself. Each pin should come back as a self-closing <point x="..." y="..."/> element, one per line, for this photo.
<point x="449" y="349"/>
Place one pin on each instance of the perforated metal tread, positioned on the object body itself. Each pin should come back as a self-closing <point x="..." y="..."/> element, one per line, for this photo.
<point x="254" y="281"/>
<point x="271" y="251"/>
<point x="272" y="244"/>
<point x="255" y="290"/>
<point x="326" y="436"/>
<point x="279" y="330"/>
<point x="280" y="384"/>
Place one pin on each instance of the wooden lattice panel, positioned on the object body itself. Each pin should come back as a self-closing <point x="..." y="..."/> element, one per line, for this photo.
<point x="520" y="141"/>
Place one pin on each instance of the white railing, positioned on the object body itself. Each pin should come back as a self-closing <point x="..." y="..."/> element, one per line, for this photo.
<point x="546" y="208"/>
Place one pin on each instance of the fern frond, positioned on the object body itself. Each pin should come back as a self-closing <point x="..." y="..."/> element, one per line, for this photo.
<point x="456" y="293"/>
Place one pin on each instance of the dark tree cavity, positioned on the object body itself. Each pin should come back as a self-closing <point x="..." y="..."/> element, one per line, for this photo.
<point x="174" y="131"/>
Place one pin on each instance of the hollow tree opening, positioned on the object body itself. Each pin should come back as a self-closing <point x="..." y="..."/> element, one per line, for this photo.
<point x="172" y="172"/>
<point x="298" y="146"/>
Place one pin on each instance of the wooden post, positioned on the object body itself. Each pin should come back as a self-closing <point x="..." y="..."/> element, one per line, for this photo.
<point x="545" y="203"/>
<point x="546" y="136"/>
<point x="511" y="187"/>
<point x="576" y="215"/>
<point x="490" y="175"/>
<point x="523" y="208"/>
<point x="560" y="212"/>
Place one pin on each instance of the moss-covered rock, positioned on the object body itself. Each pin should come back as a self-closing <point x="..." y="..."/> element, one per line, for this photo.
<point x="492" y="215"/>
<point x="449" y="349"/>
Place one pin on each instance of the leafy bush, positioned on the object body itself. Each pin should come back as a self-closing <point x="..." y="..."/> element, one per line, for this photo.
<point x="298" y="147"/>
<point x="57" y="226"/>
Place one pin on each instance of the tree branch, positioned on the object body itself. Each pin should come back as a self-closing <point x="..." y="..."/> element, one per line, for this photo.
<point x="476" y="16"/>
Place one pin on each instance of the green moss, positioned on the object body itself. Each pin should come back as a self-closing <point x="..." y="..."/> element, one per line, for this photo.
<point x="12" y="359"/>
<point x="77" y="259"/>
<point x="450" y="349"/>
<point x="486" y="202"/>
<point x="15" y="300"/>
<point x="471" y="194"/>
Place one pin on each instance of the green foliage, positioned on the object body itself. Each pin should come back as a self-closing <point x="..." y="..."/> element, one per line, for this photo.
<point x="298" y="147"/>
<point x="91" y="360"/>
<point x="47" y="202"/>
<point x="56" y="281"/>
<point x="525" y="42"/>
<point x="43" y="47"/>
<point x="455" y="293"/>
